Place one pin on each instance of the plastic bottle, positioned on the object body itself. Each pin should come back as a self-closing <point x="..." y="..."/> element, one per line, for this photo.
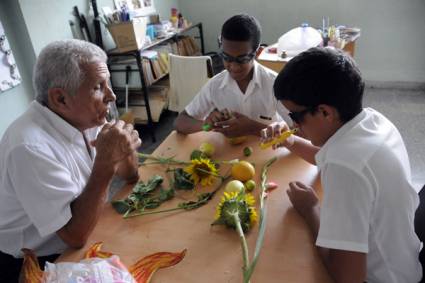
<point x="174" y="19"/>
<point x="298" y="40"/>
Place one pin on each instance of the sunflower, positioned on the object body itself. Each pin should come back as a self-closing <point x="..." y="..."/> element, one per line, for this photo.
<point x="202" y="170"/>
<point x="236" y="202"/>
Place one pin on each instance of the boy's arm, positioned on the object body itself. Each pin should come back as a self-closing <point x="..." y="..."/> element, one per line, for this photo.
<point x="186" y="124"/>
<point x="303" y="148"/>
<point x="343" y="266"/>
<point x="296" y="144"/>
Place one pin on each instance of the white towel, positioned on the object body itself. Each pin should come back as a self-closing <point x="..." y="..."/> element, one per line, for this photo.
<point x="187" y="76"/>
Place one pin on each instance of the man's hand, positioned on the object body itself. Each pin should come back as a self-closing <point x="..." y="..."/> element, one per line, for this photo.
<point x="303" y="198"/>
<point x="116" y="142"/>
<point x="273" y="131"/>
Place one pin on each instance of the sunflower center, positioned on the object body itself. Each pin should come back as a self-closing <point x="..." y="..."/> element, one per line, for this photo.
<point x="203" y="170"/>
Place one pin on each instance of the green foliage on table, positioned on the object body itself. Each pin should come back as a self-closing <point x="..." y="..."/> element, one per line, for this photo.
<point x="144" y="196"/>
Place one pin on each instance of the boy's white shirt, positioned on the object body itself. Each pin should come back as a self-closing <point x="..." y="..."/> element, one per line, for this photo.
<point x="258" y="103"/>
<point x="369" y="203"/>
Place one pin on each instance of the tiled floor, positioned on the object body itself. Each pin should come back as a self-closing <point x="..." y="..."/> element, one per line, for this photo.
<point x="405" y="108"/>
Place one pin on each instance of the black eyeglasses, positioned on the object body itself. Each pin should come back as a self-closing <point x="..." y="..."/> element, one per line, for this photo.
<point x="298" y="116"/>
<point x="241" y="59"/>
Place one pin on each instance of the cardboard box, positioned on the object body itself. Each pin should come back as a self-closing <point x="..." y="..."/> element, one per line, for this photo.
<point x="129" y="36"/>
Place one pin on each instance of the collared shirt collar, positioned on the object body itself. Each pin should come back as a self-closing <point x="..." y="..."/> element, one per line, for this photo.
<point x="69" y="132"/>
<point x="321" y="154"/>
<point x="256" y="78"/>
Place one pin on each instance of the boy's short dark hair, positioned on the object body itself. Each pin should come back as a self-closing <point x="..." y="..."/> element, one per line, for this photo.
<point x="242" y="27"/>
<point x="322" y="76"/>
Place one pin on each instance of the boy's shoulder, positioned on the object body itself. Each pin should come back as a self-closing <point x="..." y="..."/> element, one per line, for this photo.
<point x="264" y="71"/>
<point x="217" y="80"/>
<point x="354" y="144"/>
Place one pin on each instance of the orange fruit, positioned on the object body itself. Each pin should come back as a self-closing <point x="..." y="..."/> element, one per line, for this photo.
<point x="237" y="140"/>
<point x="243" y="171"/>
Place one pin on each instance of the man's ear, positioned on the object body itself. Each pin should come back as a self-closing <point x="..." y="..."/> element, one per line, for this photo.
<point x="57" y="99"/>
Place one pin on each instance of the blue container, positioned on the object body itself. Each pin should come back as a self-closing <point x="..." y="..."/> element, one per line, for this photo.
<point x="150" y="31"/>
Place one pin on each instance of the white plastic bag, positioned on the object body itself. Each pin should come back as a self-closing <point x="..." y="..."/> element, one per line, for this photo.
<point x="92" y="270"/>
<point x="298" y="40"/>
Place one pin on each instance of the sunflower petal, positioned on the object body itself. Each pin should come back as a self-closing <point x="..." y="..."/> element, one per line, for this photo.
<point x="31" y="271"/>
<point x="143" y="269"/>
<point x="94" y="251"/>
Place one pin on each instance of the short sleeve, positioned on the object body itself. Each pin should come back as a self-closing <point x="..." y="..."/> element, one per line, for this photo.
<point x="43" y="186"/>
<point x="201" y="105"/>
<point x="346" y="209"/>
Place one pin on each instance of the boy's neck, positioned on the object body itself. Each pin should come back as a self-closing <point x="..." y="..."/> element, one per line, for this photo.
<point x="243" y="84"/>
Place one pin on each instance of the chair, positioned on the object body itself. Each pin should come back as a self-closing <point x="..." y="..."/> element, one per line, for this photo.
<point x="187" y="76"/>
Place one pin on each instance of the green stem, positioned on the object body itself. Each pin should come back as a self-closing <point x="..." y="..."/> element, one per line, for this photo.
<point x="244" y="246"/>
<point x="208" y="172"/>
<point x="151" y="212"/>
<point x="263" y="217"/>
<point x="162" y="160"/>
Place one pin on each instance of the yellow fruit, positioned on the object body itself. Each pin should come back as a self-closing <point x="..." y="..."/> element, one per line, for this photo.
<point x="250" y="185"/>
<point x="243" y="171"/>
<point x="237" y="140"/>
<point x="207" y="148"/>
<point x="234" y="186"/>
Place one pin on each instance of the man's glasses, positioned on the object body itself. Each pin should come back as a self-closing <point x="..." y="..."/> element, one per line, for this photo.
<point x="241" y="59"/>
<point x="298" y="116"/>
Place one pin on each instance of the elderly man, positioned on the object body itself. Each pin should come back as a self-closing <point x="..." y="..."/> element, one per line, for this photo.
<point x="58" y="158"/>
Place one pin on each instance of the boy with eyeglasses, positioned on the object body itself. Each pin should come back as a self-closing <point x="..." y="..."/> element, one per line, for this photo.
<point x="238" y="101"/>
<point x="364" y="226"/>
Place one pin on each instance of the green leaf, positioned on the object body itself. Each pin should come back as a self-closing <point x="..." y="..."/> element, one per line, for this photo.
<point x="182" y="180"/>
<point x="152" y="204"/>
<point x="141" y="188"/>
<point x="197" y="154"/>
<point x="165" y="195"/>
<point x="120" y="206"/>
<point x="202" y="199"/>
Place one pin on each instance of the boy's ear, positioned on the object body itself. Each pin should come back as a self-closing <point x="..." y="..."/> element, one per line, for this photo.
<point x="57" y="99"/>
<point x="328" y="112"/>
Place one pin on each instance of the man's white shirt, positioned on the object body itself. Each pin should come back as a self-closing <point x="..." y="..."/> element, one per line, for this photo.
<point x="44" y="166"/>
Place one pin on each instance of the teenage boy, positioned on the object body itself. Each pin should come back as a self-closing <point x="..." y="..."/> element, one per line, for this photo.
<point x="238" y="101"/>
<point x="364" y="225"/>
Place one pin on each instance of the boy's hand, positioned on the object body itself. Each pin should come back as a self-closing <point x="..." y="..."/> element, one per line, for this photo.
<point x="273" y="131"/>
<point x="217" y="116"/>
<point x="303" y="198"/>
<point x="236" y="126"/>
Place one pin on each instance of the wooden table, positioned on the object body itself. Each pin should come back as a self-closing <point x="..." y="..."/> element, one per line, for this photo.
<point x="214" y="253"/>
<point x="275" y="63"/>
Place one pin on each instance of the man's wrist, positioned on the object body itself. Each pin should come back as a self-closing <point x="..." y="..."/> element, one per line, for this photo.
<point x="104" y="168"/>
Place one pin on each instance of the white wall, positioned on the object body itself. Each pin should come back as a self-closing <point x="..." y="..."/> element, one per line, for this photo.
<point x="391" y="47"/>
<point x="14" y="101"/>
<point x="32" y="24"/>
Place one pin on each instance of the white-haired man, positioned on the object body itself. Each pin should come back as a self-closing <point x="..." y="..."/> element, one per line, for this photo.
<point x="58" y="158"/>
